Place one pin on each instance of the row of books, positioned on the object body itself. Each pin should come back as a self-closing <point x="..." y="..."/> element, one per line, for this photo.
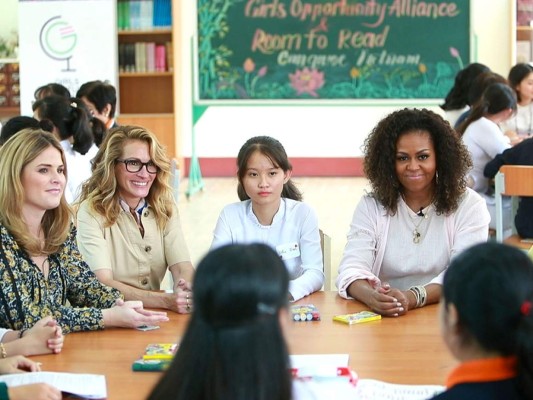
<point x="145" y="57"/>
<point x="144" y="14"/>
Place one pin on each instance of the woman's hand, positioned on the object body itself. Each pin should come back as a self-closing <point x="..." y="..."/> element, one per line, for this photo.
<point x="388" y="301"/>
<point x="131" y="314"/>
<point x="36" y="391"/>
<point x="182" y="297"/>
<point x="46" y="336"/>
<point x="513" y="137"/>
<point x="17" y="364"/>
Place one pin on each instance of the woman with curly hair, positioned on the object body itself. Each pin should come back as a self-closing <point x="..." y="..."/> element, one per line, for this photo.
<point x="419" y="215"/>
<point x="129" y="226"/>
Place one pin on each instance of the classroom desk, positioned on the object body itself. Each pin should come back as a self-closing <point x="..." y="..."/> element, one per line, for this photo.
<point x="401" y="350"/>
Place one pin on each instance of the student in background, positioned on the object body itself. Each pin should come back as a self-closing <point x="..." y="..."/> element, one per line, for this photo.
<point x="456" y="101"/>
<point x="16" y="124"/>
<point x="71" y="125"/>
<point x="101" y="100"/>
<point x="35" y="391"/>
<point x="484" y="139"/>
<point x="41" y="270"/>
<point x="521" y="123"/>
<point x="486" y="317"/>
<point x="419" y="215"/>
<point x="51" y="89"/>
<point x="234" y="347"/>
<point x="271" y="212"/>
<point x="480" y="83"/>
<point x="129" y="229"/>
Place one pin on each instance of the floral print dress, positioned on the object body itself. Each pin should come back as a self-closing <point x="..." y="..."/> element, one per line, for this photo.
<point x="72" y="294"/>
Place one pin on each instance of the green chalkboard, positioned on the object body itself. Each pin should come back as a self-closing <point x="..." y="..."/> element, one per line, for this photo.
<point x="330" y="49"/>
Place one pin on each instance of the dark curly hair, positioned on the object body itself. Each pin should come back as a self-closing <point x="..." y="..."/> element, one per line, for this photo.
<point x="453" y="158"/>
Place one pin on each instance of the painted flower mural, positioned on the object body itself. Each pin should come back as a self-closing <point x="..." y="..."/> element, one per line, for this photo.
<point x="307" y="81"/>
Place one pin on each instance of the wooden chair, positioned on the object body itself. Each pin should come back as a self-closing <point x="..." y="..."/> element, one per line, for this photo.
<point x="325" y="243"/>
<point x="512" y="180"/>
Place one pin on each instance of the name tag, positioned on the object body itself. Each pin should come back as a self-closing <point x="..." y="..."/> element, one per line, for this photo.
<point x="288" y="250"/>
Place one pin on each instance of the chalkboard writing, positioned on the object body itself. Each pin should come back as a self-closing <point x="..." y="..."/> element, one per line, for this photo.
<point x="330" y="49"/>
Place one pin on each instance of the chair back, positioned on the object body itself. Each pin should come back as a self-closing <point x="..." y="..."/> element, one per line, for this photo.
<point x="512" y="180"/>
<point x="325" y="244"/>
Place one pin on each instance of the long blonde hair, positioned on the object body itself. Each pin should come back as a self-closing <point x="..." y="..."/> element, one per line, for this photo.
<point x="15" y="154"/>
<point x="101" y="189"/>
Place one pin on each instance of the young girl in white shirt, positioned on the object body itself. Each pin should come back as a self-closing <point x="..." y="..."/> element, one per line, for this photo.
<point x="271" y="212"/>
<point x="520" y="125"/>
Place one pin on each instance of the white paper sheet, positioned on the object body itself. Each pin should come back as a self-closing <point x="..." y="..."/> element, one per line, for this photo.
<point x="84" y="385"/>
<point x="370" y="389"/>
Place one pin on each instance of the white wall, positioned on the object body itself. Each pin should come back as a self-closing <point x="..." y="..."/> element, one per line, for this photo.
<point x="322" y="131"/>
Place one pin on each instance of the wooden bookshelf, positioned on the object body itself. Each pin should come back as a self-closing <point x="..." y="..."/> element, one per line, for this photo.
<point x="162" y="125"/>
<point x="8" y="112"/>
<point x="524" y="33"/>
<point x="147" y="98"/>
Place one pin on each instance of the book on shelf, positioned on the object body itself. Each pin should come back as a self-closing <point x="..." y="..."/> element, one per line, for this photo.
<point x="169" y="58"/>
<point x="150" y="57"/>
<point x="142" y="57"/>
<point x="160" y="58"/>
<point x="144" y="15"/>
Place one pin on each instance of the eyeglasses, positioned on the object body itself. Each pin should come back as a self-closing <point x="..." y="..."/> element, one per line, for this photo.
<point x="135" y="165"/>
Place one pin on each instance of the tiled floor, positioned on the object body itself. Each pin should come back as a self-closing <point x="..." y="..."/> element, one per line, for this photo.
<point x="334" y="200"/>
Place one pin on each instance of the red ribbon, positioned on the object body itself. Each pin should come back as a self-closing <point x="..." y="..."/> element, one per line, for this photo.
<point x="525" y="308"/>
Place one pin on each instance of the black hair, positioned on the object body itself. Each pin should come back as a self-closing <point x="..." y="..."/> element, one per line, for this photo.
<point x="16" y="124"/>
<point x="496" y="97"/>
<point x="482" y="82"/>
<point x="85" y="88"/>
<point x="491" y="286"/>
<point x="101" y="94"/>
<point x="274" y="151"/>
<point x="51" y="89"/>
<point x="457" y="97"/>
<point x="70" y="118"/>
<point x="517" y="74"/>
<point x="233" y="347"/>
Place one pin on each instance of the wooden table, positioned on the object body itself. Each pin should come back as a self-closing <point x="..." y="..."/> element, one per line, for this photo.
<point x="401" y="350"/>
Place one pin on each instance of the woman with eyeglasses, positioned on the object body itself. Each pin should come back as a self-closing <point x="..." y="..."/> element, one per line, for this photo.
<point x="129" y="229"/>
